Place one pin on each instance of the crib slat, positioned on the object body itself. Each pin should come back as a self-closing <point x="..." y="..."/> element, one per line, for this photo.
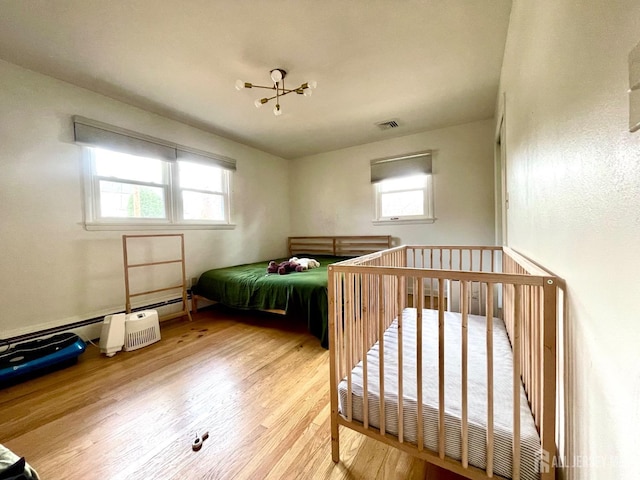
<point x="441" y="431"/>
<point x="538" y="356"/>
<point x="386" y="282"/>
<point x="340" y="324"/>
<point x="357" y="334"/>
<point x="465" y="426"/>
<point x="535" y="322"/>
<point x="516" y="381"/>
<point x="439" y="298"/>
<point x="531" y="320"/>
<point x="393" y="299"/>
<point x="540" y="363"/>
<point x="523" y="336"/>
<point x="419" y="307"/>
<point x="373" y="309"/>
<point x="348" y="341"/>
<point x="533" y="368"/>
<point x="381" y="350"/>
<point x="401" y="297"/>
<point x="490" y="381"/>
<point x="366" y="284"/>
<point x="531" y="347"/>
<point x="549" y="352"/>
<point x="335" y="319"/>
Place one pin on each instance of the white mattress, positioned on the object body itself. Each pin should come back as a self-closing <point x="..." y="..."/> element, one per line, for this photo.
<point x="477" y="391"/>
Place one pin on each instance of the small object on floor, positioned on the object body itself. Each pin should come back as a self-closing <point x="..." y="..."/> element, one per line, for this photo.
<point x="197" y="443"/>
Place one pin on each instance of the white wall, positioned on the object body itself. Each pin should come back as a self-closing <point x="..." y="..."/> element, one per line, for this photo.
<point x="574" y="180"/>
<point x="55" y="272"/>
<point x="332" y="193"/>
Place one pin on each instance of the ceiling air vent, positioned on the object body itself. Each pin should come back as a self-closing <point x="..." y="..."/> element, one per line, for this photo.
<point x="388" y="124"/>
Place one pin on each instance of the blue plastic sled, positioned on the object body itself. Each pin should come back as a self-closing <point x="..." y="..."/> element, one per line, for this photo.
<point x="30" y="359"/>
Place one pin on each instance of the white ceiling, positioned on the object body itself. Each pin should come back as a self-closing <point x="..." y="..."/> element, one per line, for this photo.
<point x="426" y="63"/>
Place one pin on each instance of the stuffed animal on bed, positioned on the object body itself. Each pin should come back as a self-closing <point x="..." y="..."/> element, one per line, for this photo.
<point x="306" y="263"/>
<point x="283" y="268"/>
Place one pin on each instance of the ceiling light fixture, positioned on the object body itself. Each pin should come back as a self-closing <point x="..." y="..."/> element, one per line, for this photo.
<point x="277" y="76"/>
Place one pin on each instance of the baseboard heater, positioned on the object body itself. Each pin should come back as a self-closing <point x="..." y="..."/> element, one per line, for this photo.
<point x="5" y="342"/>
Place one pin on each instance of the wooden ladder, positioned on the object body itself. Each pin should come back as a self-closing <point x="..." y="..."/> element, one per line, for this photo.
<point x="182" y="286"/>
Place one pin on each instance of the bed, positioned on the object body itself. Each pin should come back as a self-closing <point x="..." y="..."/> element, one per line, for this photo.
<point x="447" y="353"/>
<point x="299" y="294"/>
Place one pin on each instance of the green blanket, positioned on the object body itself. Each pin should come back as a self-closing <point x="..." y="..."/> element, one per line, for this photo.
<point x="250" y="287"/>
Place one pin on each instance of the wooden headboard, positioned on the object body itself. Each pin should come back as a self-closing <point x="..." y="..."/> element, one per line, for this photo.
<point x="341" y="246"/>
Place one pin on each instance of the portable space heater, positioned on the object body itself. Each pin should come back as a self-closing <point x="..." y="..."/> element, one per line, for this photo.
<point x="132" y="331"/>
<point x="141" y="329"/>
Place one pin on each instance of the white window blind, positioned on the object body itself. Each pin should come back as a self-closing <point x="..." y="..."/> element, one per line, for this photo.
<point x="397" y="167"/>
<point x="93" y="133"/>
<point x="137" y="181"/>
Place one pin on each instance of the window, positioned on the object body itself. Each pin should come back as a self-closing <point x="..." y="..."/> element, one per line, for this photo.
<point x="403" y="189"/>
<point x="128" y="187"/>
<point x="203" y="192"/>
<point x="131" y="186"/>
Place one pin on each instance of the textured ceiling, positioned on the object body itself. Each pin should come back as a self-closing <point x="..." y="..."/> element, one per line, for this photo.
<point x="428" y="63"/>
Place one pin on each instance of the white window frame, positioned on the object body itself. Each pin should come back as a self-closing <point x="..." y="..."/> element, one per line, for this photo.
<point x="173" y="201"/>
<point x="226" y="184"/>
<point x="426" y="217"/>
<point x="396" y="168"/>
<point x="95" y="134"/>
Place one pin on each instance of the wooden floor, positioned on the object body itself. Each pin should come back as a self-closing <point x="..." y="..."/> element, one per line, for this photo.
<point x="258" y="385"/>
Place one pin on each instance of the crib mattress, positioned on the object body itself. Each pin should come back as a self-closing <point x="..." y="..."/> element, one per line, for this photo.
<point x="476" y="388"/>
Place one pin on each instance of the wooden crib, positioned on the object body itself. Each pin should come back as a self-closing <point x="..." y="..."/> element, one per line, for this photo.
<point x="449" y="354"/>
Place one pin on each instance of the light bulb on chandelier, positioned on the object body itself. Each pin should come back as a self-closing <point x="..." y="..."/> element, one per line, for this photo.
<point x="277" y="76"/>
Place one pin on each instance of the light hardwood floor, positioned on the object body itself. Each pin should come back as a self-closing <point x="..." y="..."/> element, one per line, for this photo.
<point x="256" y="383"/>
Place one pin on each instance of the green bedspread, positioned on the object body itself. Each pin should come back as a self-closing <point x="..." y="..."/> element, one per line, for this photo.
<point x="248" y="286"/>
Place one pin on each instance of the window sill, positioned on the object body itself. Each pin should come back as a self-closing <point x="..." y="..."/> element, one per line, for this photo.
<point x="405" y="221"/>
<point x="157" y="226"/>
